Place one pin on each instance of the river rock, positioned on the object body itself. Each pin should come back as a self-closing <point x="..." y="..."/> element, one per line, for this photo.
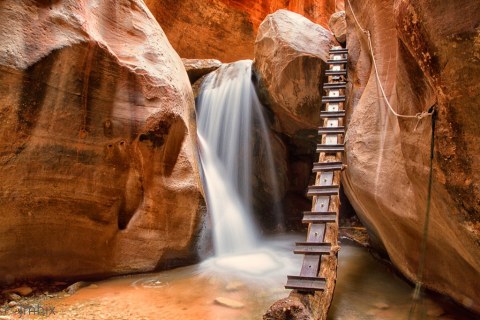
<point x="97" y="142"/>
<point x="290" y="51"/>
<point x="234" y="286"/>
<point x="225" y="29"/>
<point x="428" y="54"/>
<point x="22" y="291"/>
<point x="73" y="288"/>
<point x="227" y="302"/>
<point x="13" y="296"/>
<point x="338" y="25"/>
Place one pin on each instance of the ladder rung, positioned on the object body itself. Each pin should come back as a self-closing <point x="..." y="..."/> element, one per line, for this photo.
<point x="338" y="85"/>
<point x="335" y="72"/>
<point x="343" y="50"/>
<point x="330" y="148"/>
<point x="327" y="166"/>
<point x="312" y="248"/>
<point x="305" y="283"/>
<point x="341" y="61"/>
<point x="332" y="114"/>
<point x="327" y="99"/>
<point x="309" y="217"/>
<point x="331" y="130"/>
<point x="323" y="190"/>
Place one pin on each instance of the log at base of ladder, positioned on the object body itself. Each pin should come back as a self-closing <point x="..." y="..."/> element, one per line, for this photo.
<point x="315" y="304"/>
<point x="299" y="305"/>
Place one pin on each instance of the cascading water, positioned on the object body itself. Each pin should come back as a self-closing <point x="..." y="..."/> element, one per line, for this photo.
<point x="228" y="112"/>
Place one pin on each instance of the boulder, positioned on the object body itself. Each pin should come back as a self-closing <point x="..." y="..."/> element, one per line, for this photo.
<point x="290" y="51"/>
<point x="225" y="29"/>
<point x="338" y="25"/>
<point x="197" y="68"/>
<point x="427" y="56"/>
<point x="97" y="142"/>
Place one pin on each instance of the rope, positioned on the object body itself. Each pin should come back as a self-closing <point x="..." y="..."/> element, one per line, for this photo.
<point x="419" y="115"/>
<point x="423" y="253"/>
<point x="431" y="112"/>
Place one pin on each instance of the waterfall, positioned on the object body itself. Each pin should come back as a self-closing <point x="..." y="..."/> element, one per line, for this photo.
<point x="228" y="114"/>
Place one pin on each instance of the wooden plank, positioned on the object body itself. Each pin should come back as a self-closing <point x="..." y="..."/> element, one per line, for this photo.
<point x="336" y="85"/>
<point x="322" y="191"/>
<point x="316" y="233"/>
<point x="319" y="218"/>
<point x="321" y="204"/>
<point x="328" y="99"/>
<point x="312" y="248"/>
<point x="335" y="51"/>
<point x="340" y="61"/>
<point x="336" y="72"/>
<point x="327" y="166"/>
<point x="333" y="148"/>
<point x="326" y="179"/>
<point x="302" y="283"/>
<point x="310" y="265"/>
<point x="331" y="130"/>
<point x="334" y="114"/>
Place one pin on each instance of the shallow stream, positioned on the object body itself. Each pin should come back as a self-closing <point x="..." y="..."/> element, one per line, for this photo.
<point x="366" y="289"/>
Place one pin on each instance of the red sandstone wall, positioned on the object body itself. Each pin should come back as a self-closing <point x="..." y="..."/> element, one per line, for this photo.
<point x="226" y="29"/>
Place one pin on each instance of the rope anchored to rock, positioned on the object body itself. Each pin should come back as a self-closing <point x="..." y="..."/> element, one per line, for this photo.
<point x="419" y="115"/>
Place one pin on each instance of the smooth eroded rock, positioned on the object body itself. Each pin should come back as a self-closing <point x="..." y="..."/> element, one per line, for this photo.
<point x="290" y="52"/>
<point x="97" y="142"/>
<point x="197" y="68"/>
<point x="426" y="56"/>
<point x="338" y="25"/>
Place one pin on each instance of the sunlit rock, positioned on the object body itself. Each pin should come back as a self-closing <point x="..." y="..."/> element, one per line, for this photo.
<point x="97" y="142"/>
<point x="225" y="29"/>
<point x="290" y="52"/>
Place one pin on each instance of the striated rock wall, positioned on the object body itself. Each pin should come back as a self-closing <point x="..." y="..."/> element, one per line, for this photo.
<point x="428" y="54"/>
<point x="226" y="29"/>
<point x="97" y="142"/>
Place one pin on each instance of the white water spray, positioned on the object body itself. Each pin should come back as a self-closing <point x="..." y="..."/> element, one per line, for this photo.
<point x="227" y="108"/>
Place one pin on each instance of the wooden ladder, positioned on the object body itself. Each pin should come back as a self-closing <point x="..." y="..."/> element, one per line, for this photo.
<point x="326" y="189"/>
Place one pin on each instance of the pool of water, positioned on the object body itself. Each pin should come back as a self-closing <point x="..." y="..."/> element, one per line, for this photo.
<point x="243" y="287"/>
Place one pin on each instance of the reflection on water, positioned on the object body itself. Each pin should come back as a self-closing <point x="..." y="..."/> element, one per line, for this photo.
<point x="253" y="281"/>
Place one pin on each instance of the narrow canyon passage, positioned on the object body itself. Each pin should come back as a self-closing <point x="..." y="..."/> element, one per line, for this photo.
<point x="164" y="159"/>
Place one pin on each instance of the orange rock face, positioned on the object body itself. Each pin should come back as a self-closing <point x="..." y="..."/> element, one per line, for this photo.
<point x="428" y="55"/>
<point x="225" y="29"/>
<point x="97" y="157"/>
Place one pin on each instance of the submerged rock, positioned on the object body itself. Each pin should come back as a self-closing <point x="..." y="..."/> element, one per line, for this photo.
<point x="97" y="142"/>
<point x="227" y="302"/>
<point x="15" y="292"/>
